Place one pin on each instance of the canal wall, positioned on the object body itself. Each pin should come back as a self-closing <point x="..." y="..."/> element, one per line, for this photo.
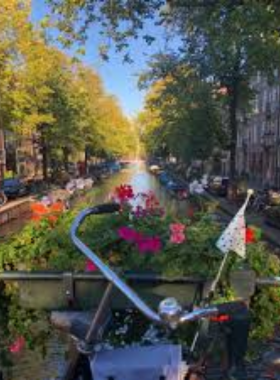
<point x="15" y="210"/>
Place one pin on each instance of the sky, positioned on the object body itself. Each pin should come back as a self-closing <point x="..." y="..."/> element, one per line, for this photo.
<point x="119" y="79"/>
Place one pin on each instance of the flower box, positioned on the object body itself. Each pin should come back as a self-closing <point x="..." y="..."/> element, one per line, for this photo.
<point x="83" y="291"/>
<point x="57" y="290"/>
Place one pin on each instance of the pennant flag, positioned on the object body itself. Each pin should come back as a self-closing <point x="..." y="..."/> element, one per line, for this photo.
<point x="234" y="236"/>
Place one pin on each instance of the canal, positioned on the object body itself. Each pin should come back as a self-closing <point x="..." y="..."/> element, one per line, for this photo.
<point x="136" y="175"/>
<point x="29" y="365"/>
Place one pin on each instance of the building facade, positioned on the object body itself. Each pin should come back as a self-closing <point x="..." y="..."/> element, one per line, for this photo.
<point x="258" y="141"/>
<point x="2" y="155"/>
<point x="19" y="155"/>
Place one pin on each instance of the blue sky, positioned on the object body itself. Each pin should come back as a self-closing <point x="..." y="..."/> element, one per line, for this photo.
<point x="119" y="79"/>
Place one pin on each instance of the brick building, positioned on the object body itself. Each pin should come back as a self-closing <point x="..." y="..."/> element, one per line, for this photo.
<point x="258" y="143"/>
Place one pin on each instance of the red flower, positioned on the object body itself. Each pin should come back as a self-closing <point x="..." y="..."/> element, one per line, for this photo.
<point x="124" y="193"/>
<point x="250" y="236"/>
<point x="17" y="345"/>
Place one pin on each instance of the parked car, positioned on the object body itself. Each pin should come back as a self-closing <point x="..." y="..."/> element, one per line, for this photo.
<point x="164" y="178"/>
<point x="272" y="216"/>
<point x="114" y="167"/>
<point x="154" y="169"/>
<point x="274" y="197"/>
<point x="72" y="168"/>
<point x="219" y="186"/>
<point x="177" y="188"/>
<point x="14" y="188"/>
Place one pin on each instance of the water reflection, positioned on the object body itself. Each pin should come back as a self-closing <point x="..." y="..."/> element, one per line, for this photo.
<point x="142" y="181"/>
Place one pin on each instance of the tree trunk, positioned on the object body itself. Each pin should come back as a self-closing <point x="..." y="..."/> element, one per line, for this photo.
<point x="2" y="147"/>
<point x="45" y="159"/>
<point x="233" y="127"/>
<point x="66" y="158"/>
<point x="86" y="160"/>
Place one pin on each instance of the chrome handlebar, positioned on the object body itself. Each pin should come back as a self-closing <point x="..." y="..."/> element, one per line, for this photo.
<point x="106" y="271"/>
<point x="170" y="313"/>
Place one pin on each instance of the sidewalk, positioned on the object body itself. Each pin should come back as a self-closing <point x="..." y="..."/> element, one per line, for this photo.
<point x="271" y="234"/>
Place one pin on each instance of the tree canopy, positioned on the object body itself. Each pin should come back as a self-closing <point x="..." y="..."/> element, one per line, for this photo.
<point x="181" y="117"/>
<point x="225" y="41"/>
<point x="46" y="94"/>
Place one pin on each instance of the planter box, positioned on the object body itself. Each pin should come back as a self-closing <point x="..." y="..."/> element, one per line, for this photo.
<point x="83" y="291"/>
<point x="52" y="290"/>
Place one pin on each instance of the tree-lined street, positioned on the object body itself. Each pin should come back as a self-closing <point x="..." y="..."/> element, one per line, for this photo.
<point x="172" y="153"/>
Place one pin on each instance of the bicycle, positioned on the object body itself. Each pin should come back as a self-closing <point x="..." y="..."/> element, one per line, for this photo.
<point x="167" y="361"/>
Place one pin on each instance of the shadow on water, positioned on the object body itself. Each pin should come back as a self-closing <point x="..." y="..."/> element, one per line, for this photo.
<point x="30" y="365"/>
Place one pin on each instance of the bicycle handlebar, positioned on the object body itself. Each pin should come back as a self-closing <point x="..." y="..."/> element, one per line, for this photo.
<point x="106" y="271"/>
<point x="170" y="312"/>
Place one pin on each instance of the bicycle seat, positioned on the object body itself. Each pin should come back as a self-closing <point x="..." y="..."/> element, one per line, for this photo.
<point x="134" y="363"/>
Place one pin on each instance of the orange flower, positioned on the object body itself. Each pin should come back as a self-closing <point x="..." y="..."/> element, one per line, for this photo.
<point x="39" y="208"/>
<point x="57" y="207"/>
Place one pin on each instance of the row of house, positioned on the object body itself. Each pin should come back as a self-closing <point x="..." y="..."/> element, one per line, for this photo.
<point x="258" y="142"/>
<point x="257" y="150"/>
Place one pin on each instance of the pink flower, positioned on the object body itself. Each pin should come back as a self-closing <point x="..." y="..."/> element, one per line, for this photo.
<point x="90" y="266"/>
<point x="143" y="243"/>
<point x="177" y="238"/>
<point x="17" y="345"/>
<point x="177" y="227"/>
<point x="177" y="233"/>
<point x="128" y="234"/>
<point x="140" y="212"/>
<point x="151" y="201"/>
<point x="155" y="244"/>
<point x="149" y="244"/>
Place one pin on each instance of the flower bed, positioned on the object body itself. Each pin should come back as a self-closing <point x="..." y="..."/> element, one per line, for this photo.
<point x="141" y="238"/>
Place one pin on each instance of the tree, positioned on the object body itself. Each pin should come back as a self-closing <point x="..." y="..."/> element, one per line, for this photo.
<point x="181" y="116"/>
<point x="14" y="37"/>
<point x="44" y="92"/>
<point x="120" y="20"/>
<point x="226" y="41"/>
<point x="106" y="130"/>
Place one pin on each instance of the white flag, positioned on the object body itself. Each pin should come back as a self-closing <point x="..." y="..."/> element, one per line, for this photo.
<point x="234" y="236"/>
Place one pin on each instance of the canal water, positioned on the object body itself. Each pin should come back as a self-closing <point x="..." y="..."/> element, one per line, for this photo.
<point x="29" y="365"/>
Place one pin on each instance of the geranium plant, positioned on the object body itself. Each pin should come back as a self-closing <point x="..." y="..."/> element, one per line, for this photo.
<point x="143" y="237"/>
